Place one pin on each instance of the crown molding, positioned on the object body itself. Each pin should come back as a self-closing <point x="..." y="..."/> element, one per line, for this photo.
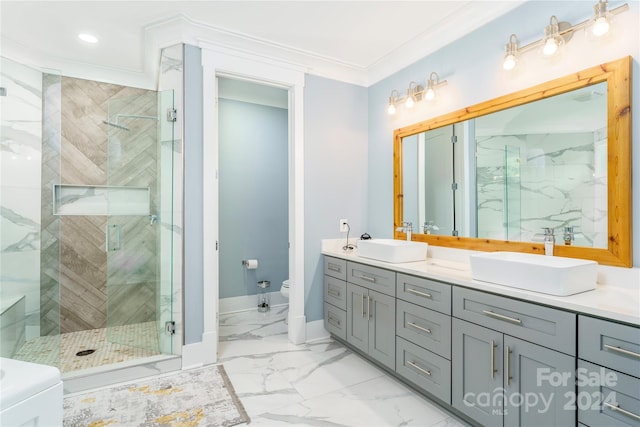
<point x="183" y="29"/>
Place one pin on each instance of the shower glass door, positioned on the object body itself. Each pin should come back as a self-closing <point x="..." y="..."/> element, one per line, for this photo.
<point x="139" y="288"/>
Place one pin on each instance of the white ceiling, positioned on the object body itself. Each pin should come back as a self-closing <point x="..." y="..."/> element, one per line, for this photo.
<point x="356" y="41"/>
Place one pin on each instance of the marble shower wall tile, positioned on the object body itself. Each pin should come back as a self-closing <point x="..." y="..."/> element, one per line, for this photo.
<point x="20" y="156"/>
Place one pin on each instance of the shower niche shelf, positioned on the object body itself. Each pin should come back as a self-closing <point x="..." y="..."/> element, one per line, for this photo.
<point x="100" y="200"/>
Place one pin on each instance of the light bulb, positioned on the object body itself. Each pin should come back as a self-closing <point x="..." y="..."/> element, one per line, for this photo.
<point x="550" y="47"/>
<point x="430" y="94"/>
<point x="391" y="109"/>
<point x="89" y="38"/>
<point x="600" y="26"/>
<point x="509" y="62"/>
<point x="409" y="102"/>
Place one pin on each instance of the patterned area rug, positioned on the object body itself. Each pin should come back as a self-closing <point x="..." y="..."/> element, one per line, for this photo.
<point x="195" y="397"/>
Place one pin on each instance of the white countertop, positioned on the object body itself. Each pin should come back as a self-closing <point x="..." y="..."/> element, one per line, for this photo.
<point x="620" y="303"/>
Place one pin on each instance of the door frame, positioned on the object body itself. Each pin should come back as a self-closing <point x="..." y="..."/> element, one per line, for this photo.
<point x="218" y="61"/>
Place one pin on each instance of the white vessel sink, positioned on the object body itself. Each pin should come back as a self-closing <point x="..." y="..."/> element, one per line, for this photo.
<point x="546" y="274"/>
<point x="391" y="250"/>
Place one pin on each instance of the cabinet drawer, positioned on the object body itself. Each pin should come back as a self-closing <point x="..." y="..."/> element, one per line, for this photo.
<point x="611" y="400"/>
<point x="335" y="267"/>
<point x="426" y="370"/>
<point x="335" y="321"/>
<point x="548" y="327"/>
<point x="335" y="292"/>
<point x="609" y="344"/>
<point x="378" y="279"/>
<point x="424" y="292"/>
<point x="424" y="327"/>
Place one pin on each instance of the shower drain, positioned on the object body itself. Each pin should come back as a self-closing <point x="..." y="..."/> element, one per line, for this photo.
<point x="85" y="352"/>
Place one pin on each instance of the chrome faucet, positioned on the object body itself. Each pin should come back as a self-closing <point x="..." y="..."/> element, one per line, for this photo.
<point x="569" y="235"/>
<point x="407" y="227"/>
<point x="549" y="240"/>
<point x="429" y="226"/>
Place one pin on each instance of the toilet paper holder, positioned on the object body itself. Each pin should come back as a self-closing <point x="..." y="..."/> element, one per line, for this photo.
<point x="250" y="264"/>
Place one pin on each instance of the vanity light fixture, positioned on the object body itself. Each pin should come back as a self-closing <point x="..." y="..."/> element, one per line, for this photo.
<point x="391" y="107"/>
<point x="601" y="19"/>
<point x="415" y="93"/>
<point x="552" y="39"/>
<point x="511" y="53"/>
<point x="558" y="33"/>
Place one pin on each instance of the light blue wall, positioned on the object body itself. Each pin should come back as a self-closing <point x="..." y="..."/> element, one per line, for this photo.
<point x="193" y="172"/>
<point x="472" y="67"/>
<point x="335" y="168"/>
<point x="253" y="196"/>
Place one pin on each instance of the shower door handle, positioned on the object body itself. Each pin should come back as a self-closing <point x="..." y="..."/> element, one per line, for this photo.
<point x="118" y="236"/>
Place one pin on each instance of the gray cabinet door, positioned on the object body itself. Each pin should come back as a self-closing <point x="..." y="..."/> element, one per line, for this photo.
<point x="476" y="372"/>
<point x="382" y="328"/>
<point x="535" y="395"/>
<point x="357" y="317"/>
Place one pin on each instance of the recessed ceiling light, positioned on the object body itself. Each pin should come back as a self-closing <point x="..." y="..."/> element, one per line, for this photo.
<point x="88" y="38"/>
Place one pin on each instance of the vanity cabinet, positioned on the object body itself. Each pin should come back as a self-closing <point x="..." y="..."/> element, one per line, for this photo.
<point x="335" y="296"/>
<point x="609" y="373"/>
<point x="423" y="334"/>
<point x="502" y="372"/>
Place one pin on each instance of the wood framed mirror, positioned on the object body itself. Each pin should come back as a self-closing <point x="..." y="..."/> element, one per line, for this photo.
<point x="616" y="246"/>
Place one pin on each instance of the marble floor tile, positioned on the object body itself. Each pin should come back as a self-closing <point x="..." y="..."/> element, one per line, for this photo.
<point x="322" y="383"/>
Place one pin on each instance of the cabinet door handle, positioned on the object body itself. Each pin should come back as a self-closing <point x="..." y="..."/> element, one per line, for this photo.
<point x="493" y="359"/>
<point x="334" y="267"/>
<point x="508" y="373"/>
<point x="617" y="408"/>
<point x="420" y="328"/>
<point x="622" y="350"/>
<point x="368" y="278"/>
<point x="502" y="317"/>
<point x="416" y="292"/>
<point x="369" y="305"/>
<point x="419" y="368"/>
<point x="363" y="313"/>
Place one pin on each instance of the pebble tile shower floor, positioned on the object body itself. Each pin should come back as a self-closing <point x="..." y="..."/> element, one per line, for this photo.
<point x="119" y="344"/>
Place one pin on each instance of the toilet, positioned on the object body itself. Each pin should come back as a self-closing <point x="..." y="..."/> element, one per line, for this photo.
<point x="284" y="289"/>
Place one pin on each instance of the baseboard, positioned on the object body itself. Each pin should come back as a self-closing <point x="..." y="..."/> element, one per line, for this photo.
<point x="316" y="331"/>
<point x="248" y="302"/>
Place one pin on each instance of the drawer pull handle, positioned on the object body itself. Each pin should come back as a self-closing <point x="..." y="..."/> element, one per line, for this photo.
<point x="622" y="350"/>
<point x="334" y="267"/>
<point x="420" y="328"/>
<point x="334" y="293"/>
<point x="419" y="368"/>
<point x="415" y="292"/>
<point x="368" y="279"/>
<point x="502" y="317"/>
<point x="334" y="322"/>
<point x="617" y="408"/>
<point x="493" y="359"/>
<point x="363" y="313"/>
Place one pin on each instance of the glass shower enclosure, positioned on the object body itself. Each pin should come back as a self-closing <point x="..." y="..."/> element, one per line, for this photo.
<point x="86" y="263"/>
